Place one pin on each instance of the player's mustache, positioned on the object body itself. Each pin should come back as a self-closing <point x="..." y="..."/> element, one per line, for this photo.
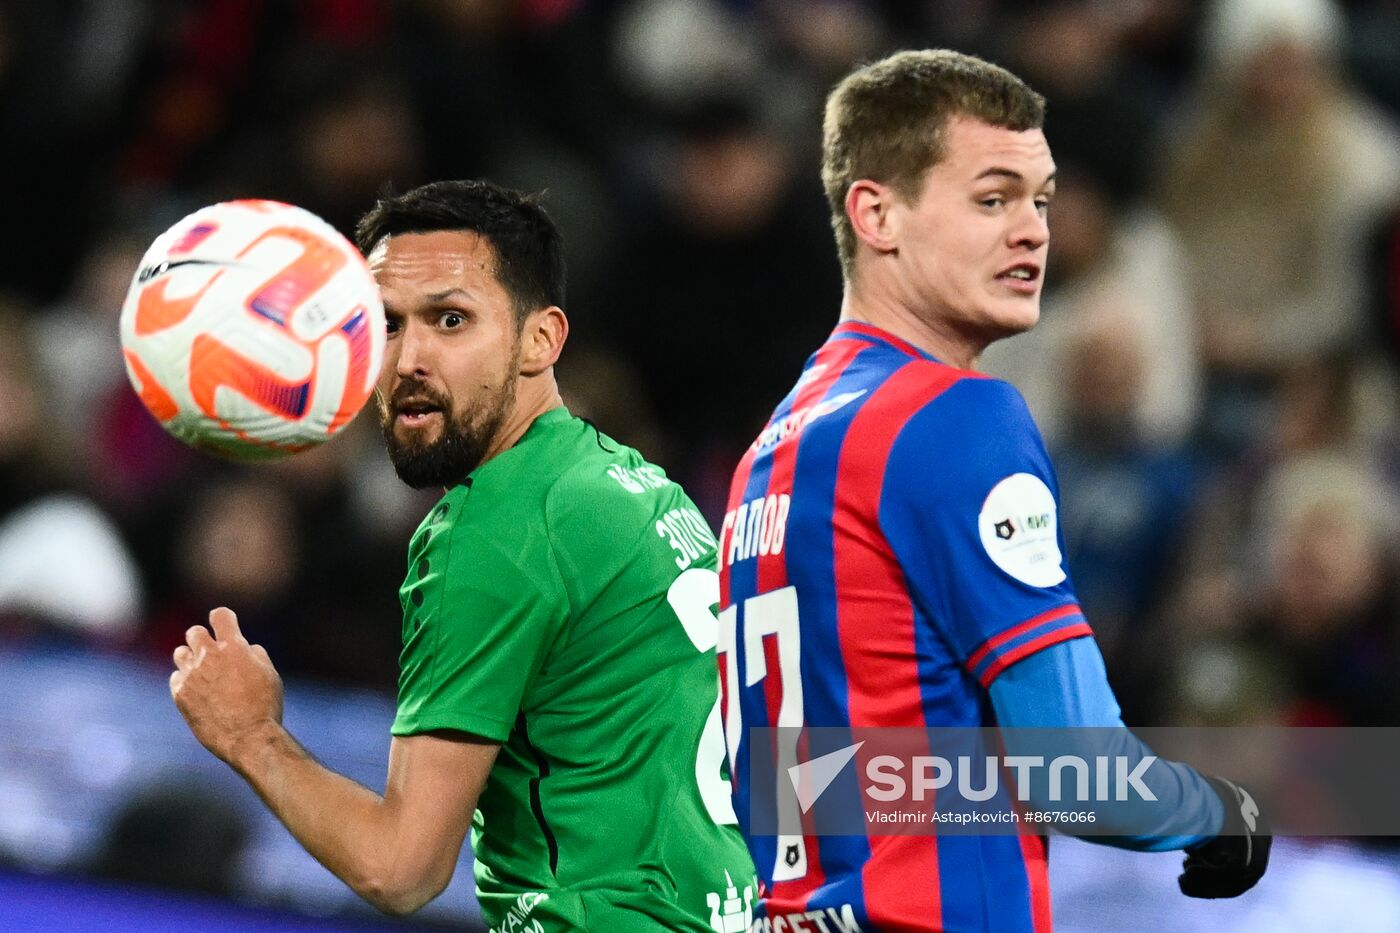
<point x="416" y="393"/>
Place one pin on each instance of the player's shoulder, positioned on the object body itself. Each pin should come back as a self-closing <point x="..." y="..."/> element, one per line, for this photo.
<point x="978" y="394"/>
<point x="604" y="477"/>
<point x="502" y="505"/>
<point x="979" y="428"/>
<point x="559" y="450"/>
<point x="611" y="507"/>
<point x="932" y="391"/>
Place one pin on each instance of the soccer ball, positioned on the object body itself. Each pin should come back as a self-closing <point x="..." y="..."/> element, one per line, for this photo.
<point x="253" y="330"/>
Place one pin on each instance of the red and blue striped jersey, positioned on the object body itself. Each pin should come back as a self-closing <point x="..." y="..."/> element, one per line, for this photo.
<point x="890" y="546"/>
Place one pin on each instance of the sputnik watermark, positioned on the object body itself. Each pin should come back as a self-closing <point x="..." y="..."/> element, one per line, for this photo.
<point x="1115" y="777"/>
<point x="833" y="781"/>
<point x="809" y="781"/>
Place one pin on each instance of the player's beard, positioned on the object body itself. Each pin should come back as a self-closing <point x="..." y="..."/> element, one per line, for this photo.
<point x="466" y="436"/>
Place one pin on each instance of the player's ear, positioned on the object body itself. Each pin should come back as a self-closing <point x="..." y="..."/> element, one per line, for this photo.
<point x="869" y="207"/>
<point x="542" y="339"/>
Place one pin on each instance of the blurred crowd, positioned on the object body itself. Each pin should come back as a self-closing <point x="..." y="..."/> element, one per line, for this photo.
<point x="1215" y="372"/>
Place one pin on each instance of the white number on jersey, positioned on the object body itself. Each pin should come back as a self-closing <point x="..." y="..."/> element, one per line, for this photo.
<point x="768" y="614"/>
<point x="691" y="596"/>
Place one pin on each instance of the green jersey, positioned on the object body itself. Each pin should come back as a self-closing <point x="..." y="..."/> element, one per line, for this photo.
<point x="561" y="601"/>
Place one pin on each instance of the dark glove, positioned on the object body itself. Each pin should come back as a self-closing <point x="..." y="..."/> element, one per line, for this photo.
<point x="1234" y="861"/>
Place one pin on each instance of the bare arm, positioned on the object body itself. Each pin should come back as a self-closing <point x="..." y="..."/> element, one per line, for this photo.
<point x="397" y="851"/>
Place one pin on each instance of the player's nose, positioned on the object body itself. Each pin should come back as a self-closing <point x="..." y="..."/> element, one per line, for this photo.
<point x="1030" y="228"/>
<point x="414" y="352"/>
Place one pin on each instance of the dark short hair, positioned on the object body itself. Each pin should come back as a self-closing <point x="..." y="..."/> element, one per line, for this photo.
<point x="887" y="122"/>
<point x="529" y="248"/>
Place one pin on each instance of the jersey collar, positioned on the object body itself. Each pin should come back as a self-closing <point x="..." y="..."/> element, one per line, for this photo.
<point x="556" y="415"/>
<point x="543" y="422"/>
<point x="860" y="330"/>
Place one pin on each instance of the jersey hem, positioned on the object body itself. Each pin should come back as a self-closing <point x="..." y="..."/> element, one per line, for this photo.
<point x="484" y="726"/>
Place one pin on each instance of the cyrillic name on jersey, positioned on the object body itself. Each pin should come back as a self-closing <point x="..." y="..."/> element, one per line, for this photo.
<point x="756" y="528"/>
<point x="829" y="920"/>
<point x="517" y="919"/>
<point x="688" y="532"/>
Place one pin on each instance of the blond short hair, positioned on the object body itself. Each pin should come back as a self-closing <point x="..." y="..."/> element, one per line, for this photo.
<point x="887" y="121"/>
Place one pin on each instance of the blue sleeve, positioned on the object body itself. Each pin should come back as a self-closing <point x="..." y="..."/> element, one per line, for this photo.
<point x="969" y="506"/>
<point x="1065" y="687"/>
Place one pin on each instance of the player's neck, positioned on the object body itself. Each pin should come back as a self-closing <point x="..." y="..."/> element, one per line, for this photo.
<point x="887" y="312"/>
<point x="534" y="395"/>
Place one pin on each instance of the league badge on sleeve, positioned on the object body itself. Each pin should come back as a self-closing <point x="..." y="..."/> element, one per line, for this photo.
<point x="1018" y="530"/>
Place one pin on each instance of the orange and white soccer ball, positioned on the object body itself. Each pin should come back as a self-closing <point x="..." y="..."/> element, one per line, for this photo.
<point x="253" y="330"/>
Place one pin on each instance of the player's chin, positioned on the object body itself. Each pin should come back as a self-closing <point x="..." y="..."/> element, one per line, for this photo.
<point x="1015" y="314"/>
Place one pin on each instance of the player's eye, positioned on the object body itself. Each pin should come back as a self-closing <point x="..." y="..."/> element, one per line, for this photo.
<point x="391" y="326"/>
<point x="451" y="319"/>
<point x="1042" y="205"/>
<point x="994" y="201"/>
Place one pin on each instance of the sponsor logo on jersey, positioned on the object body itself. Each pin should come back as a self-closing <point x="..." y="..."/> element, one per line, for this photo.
<point x="517" y="919"/>
<point x="731" y="913"/>
<point x="791" y="424"/>
<point x="811" y="374"/>
<point x="1017" y="527"/>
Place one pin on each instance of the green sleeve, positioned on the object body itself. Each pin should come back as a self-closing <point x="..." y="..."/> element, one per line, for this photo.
<point x="481" y="610"/>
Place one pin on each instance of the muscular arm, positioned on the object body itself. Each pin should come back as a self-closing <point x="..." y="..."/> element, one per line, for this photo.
<point x="397" y="851"/>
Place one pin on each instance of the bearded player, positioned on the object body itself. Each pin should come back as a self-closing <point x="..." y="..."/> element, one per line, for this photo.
<point x="557" y="692"/>
<point x="891" y="557"/>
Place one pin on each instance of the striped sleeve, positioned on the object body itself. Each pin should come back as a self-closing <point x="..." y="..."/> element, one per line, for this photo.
<point x="969" y="504"/>
<point x="1021" y="641"/>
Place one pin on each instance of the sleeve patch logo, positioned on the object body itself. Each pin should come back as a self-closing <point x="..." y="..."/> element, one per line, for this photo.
<point x="1017" y="527"/>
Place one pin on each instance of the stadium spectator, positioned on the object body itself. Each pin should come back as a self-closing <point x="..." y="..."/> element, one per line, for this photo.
<point x="236" y="542"/>
<point x="77" y="336"/>
<point x="65" y="569"/>
<point x="731" y="199"/>
<point x="1326" y="608"/>
<point x="174" y="836"/>
<point x="1274" y="175"/>
<point x="1127" y="502"/>
<point x="1103" y="102"/>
